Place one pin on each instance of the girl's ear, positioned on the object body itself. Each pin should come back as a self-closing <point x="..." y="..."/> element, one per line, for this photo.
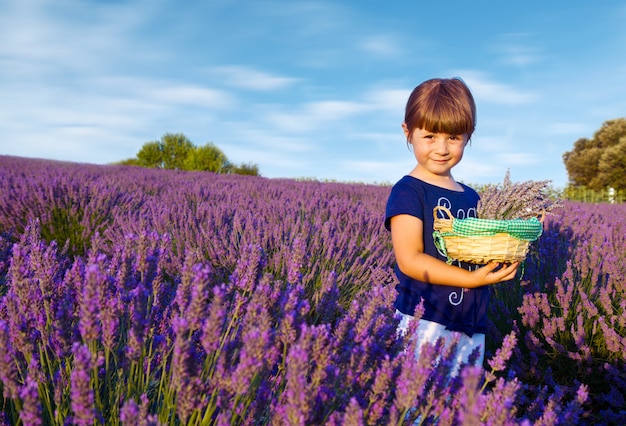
<point x="405" y="128"/>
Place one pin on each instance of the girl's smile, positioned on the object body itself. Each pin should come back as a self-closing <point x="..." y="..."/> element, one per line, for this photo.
<point x="436" y="153"/>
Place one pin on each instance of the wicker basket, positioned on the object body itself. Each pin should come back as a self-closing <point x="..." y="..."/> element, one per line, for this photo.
<point x="500" y="247"/>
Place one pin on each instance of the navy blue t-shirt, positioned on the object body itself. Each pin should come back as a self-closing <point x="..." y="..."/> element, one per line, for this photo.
<point x="458" y="309"/>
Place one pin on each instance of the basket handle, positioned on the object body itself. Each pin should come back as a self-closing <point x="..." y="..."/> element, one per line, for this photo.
<point x="444" y="210"/>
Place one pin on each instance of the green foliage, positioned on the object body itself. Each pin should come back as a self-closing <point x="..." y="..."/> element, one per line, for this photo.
<point x="176" y="151"/>
<point x="169" y="153"/>
<point x="128" y="162"/>
<point x="64" y="226"/>
<point x="599" y="162"/>
<point x="175" y="148"/>
<point x="586" y="195"/>
<point x="207" y="158"/>
<point x="612" y="166"/>
<point x="151" y="155"/>
<point x="248" y="169"/>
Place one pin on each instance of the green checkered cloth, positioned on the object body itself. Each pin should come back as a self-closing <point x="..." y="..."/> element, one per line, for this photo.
<point x="522" y="229"/>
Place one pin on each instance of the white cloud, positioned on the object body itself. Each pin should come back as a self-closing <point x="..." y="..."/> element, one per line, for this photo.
<point x="272" y="163"/>
<point x="63" y="36"/>
<point x="383" y="45"/>
<point x="366" y="171"/>
<point x="392" y="100"/>
<point x="567" y="129"/>
<point x="515" y="49"/>
<point x="314" y="115"/>
<point x="270" y="141"/>
<point x="253" y="79"/>
<point x="494" y="92"/>
<point x="517" y="158"/>
<point x="474" y="172"/>
<point x="190" y="95"/>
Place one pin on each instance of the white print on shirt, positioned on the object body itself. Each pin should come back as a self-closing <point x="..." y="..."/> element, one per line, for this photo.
<point x="456" y="297"/>
<point x="460" y="214"/>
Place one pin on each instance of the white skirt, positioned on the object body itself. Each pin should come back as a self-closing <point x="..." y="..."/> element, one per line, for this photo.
<point x="429" y="331"/>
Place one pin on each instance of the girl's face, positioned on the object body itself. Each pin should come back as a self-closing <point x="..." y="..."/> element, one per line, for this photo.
<point x="436" y="153"/>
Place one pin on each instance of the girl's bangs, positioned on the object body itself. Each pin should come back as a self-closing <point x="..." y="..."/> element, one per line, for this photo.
<point x="446" y="124"/>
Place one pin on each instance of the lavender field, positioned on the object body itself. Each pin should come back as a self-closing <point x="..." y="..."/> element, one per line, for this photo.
<point x="136" y="296"/>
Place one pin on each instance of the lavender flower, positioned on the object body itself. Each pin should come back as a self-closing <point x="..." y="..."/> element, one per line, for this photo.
<point x="9" y="373"/>
<point x="129" y="413"/>
<point x="295" y="262"/>
<point x="214" y="325"/>
<point x="31" y="410"/>
<point x="185" y="378"/>
<point x="295" y="405"/>
<point x="197" y="307"/>
<point x="498" y="362"/>
<point x="91" y="297"/>
<point x="139" y="306"/>
<point x="82" y="395"/>
<point x="520" y="200"/>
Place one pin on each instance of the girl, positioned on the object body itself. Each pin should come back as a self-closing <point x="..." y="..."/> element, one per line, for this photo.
<point x="439" y="121"/>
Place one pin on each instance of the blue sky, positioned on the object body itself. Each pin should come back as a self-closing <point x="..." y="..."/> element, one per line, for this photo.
<point x="310" y="89"/>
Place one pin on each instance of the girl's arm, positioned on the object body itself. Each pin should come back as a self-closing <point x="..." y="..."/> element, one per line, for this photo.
<point x="407" y="237"/>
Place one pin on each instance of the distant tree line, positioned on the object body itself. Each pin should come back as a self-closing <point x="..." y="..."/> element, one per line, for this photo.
<point x="600" y="162"/>
<point x="176" y="151"/>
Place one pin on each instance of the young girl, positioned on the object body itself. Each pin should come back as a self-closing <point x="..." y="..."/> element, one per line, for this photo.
<point x="439" y="121"/>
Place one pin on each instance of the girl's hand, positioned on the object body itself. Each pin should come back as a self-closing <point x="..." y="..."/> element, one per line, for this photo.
<point x="494" y="272"/>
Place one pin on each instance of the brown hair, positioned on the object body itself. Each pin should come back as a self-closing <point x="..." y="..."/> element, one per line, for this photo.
<point x="441" y="105"/>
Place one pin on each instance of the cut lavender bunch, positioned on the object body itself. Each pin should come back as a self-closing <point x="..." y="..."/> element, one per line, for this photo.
<point x="515" y="200"/>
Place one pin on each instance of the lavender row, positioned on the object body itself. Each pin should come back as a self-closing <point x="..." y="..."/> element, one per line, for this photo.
<point x="570" y="310"/>
<point x="194" y="298"/>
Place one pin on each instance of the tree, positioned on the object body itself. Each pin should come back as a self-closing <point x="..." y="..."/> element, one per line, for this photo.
<point x="207" y="157"/>
<point x="168" y="153"/>
<point x="582" y="162"/>
<point x="593" y="162"/>
<point x="176" y="147"/>
<point x="151" y="155"/>
<point x="612" y="166"/>
<point x="175" y="151"/>
<point x="246" y="169"/>
<point x="128" y="162"/>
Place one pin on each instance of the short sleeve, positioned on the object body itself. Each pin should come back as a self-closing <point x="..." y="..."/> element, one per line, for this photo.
<point x="404" y="199"/>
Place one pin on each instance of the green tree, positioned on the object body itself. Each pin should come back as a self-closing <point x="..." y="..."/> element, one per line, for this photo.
<point x="151" y="155"/>
<point x="128" y="162"/>
<point x="593" y="162"/>
<point x="175" y="151"/>
<point x="612" y="166"/>
<point x="246" y="169"/>
<point x="582" y="162"/>
<point x="207" y="158"/>
<point x="175" y="147"/>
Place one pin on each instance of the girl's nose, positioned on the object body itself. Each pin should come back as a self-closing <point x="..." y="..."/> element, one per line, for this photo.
<point x="442" y="146"/>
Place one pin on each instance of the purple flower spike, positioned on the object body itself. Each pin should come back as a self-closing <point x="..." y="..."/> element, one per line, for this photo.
<point x="296" y="261"/>
<point x="91" y="297"/>
<point x="31" y="409"/>
<point x="129" y="414"/>
<point x="9" y="374"/>
<point x="296" y="403"/>
<point x="81" y="394"/>
<point x="498" y="362"/>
